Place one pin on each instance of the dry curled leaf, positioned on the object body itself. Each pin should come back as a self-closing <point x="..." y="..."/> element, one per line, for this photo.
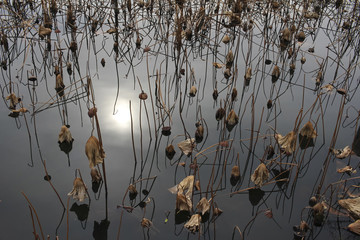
<point x="203" y="205"/>
<point x="187" y="146"/>
<point x="231" y="120"/>
<point x="352" y="205"/>
<point x="79" y="190"/>
<point x="260" y="175"/>
<point x="146" y="223"/>
<point x="65" y="135"/>
<point x="341" y="153"/>
<point x="94" y="152"/>
<point x="346" y="169"/>
<point x="355" y="227"/>
<point x="193" y="225"/>
<point x="288" y="142"/>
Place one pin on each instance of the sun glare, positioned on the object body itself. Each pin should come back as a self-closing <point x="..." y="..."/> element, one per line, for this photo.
<point x="122" y="116"/>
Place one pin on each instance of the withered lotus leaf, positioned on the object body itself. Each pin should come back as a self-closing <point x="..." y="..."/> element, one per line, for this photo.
<point x="43" y="31"/>
<point x="187" y="146"/>
<point x="275" y="74"/>
<point x="93" y="152"/>
<point x="231" y="120"/>
<point x="217" y="212"/>
<point x="215" y="94"/>
<point x="193" y="91"/>
<point x="226" y="39"/>
<point x="288" y="142"/>
<point x="235" y="175"/>
<point x="197" y="185"/>
<point x="247" y="76"/>
<point x="217" y="65"/>
<point x="234" y="94"/>
<point x="13" y="100"/>
<point x="170" y="151"/>
<point x="183" y="203"/>
<point x="65" y="135"/>
<point x="79" y="190"/>
<point x="308" y="130"/>
<point x="146" y="223"/>
<point x="355" y="227"/>
<point x="260" y="175"/>
<point x="193" y="225"/>
<point x="220" y="113"/>
<point x="132" y="191"/>
<point x="352" y="205"/>
<point x="342" y="153"/>
<point x="199" y="133"/>
<point x="229" y="59"/>
<point x="227" y="73"/>
<point x="92" y="112"/>
<point x="203" y="205"/>
<point x="346" y="169"/>
<point x="186" y="184"/>
<point x="95" y="175"/>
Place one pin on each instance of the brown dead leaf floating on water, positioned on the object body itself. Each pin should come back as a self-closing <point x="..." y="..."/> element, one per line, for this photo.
<point x="193" y="225"/>
<point x="146" y="223"/>
<point x="288" y="142"/>
<point x="183" y="199"/>
<point x="187" y="146"/>
<point x="95" y="175"/>
<point x="79" y="190"/>
<point x="93" y="152"/>
<point x="260" y="175"/>
<point x="170" y="151"/>
<point x="65" y="135"/>
<point x="347" y="169"/>
<point x="341" y="153"/>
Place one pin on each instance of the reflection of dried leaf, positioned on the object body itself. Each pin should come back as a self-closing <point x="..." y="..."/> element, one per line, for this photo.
<point x="187" y="146"/>
<point x="65" y="135"/>
<point x="260" y="175"/>
<point x="193" y="224"/>
<point x="203" y="205"/>
<point x="95" y="175"/>
<point x="355" y="227"/>
<point x="93" y="152"/>
<point x="288" y="142"/>
<point x="352" y="205"/>
<point x="346" y="169"/>
<point x="342" y="153"/>
<point x="255" y="196"/>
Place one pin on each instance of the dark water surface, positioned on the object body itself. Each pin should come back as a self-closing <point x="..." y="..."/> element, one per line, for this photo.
<point x="155" y="53"/>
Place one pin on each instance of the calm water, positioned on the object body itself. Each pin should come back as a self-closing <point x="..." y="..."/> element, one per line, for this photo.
<point x="133" y="140"/>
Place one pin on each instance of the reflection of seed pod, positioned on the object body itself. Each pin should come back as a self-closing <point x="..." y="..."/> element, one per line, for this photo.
<point x="269" y="104"/>
<point x="292" y="68"/>
<point x="215" y="94"/>
<point x="227" y="73"/>
<point x="56" y="70"/>
<point x="290" y="52"/>
<point x="268" y="61"/>
<point x="147" y="49"/>
<point x="235" y="175"/>
<point x="103" y="62"/>
<point x="226" y="39"/>
<point x="116" y="47"/>
<point x="170" y="151"/>
<point x="132" y="191"/>
<point x="234" y="94"/>
<point x="220" y="113"/>
<point x="32" y="78"/>
<point x="182" y="71"/>
<point x="47" y="177"/>
<point x="275" y="74"/>
<point x="166" y="131"/>
<point x="143" y="95"/>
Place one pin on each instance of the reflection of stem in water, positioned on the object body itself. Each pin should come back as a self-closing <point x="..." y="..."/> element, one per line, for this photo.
<point x="37" y="217"/>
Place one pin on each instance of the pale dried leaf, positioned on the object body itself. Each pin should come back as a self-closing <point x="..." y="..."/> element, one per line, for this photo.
<point x="352" y="205"/>
<point x="203" y="205"/>
<point x="342" y="153"/>
<point x="260" y="175"/>
<point x="65" y="135"/>
<point x="187" y="146"/>
<point x="93" y="152"/>
<point x="79" y="190"/>
<point x="288" y="142"/>
<point x="308" y="130"/>
<point x="193" y="225"/>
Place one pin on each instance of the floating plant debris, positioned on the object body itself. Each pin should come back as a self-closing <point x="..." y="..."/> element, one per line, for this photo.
<point x="79" y="190"/>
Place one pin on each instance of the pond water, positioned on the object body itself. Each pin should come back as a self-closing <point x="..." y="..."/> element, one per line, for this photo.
<point x="277" y="160"/>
